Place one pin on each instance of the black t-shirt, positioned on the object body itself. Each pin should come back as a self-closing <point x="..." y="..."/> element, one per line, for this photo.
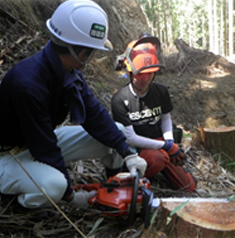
<point x="144" y="113"/>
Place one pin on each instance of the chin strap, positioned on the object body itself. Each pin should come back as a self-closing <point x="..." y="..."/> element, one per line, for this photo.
<point x="72" y="52"/>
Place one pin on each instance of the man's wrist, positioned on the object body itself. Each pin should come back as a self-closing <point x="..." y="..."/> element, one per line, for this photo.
<point x="128" y="151"/>
<point x="168" y="144"/>
<point x="69" y="197"/>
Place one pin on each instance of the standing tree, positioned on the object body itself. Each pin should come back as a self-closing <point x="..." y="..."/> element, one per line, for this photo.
<point x="221" y="28"/>
<point x="215" y="24"/>
<point x="230" y="12"/>
<point x="211" y="39"/>
<point x="206" y="24"/>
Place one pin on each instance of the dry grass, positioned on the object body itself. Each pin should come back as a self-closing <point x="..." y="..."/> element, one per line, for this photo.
<point x="213" y="181"/>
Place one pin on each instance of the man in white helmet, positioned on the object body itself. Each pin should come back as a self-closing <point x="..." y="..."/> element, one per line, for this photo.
<point x="35" y="97"/>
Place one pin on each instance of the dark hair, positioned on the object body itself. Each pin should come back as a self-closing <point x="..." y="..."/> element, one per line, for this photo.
<point x="77" y="48"/>
<point x="60" y="49"/>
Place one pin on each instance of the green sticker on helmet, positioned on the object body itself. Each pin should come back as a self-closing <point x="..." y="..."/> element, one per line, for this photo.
<point x="97" y="31"/>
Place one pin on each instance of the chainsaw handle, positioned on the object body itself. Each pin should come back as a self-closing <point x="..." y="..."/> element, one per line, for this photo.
<point x="132" y="212"/>
<point x="133" y="172"/>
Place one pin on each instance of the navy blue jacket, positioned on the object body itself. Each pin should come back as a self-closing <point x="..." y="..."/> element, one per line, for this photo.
<point x="36" y="96"/>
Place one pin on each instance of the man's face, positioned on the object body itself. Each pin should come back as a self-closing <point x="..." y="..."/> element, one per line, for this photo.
<point x="84" y="57"/>
<point x="141" y="82"/>
<point x="87" y="55"/>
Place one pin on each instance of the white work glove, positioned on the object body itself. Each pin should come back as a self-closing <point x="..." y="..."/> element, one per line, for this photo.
<point x="81" y="198"/>
<point x="134" y="163"/>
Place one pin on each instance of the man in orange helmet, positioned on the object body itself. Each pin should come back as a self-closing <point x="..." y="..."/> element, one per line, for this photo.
<point x="144" y="107"/>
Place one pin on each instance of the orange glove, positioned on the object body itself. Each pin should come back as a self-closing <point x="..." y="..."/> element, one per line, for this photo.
<point x="176" y="155"/>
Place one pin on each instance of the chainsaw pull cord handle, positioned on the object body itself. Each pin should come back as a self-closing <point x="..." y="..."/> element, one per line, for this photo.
<point x="132" y="212"/>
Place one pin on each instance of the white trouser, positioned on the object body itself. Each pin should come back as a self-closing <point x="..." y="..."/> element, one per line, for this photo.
<point x="75" y="144"/>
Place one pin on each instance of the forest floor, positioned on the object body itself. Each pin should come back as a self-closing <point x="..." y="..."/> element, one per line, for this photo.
<point x="199" y="99"/>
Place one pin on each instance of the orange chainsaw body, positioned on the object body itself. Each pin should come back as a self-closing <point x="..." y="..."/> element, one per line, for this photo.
<point x="114" y="197"/>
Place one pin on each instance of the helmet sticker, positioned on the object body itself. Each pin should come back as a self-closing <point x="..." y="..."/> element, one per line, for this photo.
<point x="55" y="29"/>
<point x="97" y="31"/>
<point x="147" y="61"/>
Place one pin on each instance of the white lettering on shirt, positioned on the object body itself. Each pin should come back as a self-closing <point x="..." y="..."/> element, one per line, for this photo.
<point x="153" y="114"/>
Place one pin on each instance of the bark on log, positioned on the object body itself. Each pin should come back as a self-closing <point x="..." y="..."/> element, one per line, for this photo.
<point x="219" y="140"/>
<point x="195" y="219"/>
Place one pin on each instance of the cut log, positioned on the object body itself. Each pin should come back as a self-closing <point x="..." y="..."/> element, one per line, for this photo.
<point x="198" y="219"/>
<point x="220" y="140"/>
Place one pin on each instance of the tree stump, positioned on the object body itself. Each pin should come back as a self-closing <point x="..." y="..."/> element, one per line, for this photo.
<point x="192" y="60"/>
<point x="220" y="140"/>
<point x="210" y="219"/>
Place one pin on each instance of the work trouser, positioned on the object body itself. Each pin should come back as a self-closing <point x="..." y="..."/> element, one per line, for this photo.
<point x="179" y="177"/>
<point x="75" y="143"/>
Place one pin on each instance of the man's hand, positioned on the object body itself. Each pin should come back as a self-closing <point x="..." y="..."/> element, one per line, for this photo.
<point x="176" y="155"/>
<point x="80" y="199"/>
<point x="134" y="163"/>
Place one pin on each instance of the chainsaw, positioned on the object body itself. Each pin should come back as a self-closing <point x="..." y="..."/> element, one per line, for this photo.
<point x="122" y="195"/>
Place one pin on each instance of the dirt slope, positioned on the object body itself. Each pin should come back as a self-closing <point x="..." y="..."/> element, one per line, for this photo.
<point x="198" y="99"/>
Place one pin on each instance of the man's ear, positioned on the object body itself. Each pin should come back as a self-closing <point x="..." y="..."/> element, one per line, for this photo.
<point x="82" y="53"/>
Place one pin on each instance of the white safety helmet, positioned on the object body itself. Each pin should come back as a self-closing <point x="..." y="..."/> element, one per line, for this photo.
<point x="80" y="22"/>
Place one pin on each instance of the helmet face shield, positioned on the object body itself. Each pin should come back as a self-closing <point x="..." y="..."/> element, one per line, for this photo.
<point x="142" y="56"/>
<point x="90" y="56"/>
<point x="108" y="45"/>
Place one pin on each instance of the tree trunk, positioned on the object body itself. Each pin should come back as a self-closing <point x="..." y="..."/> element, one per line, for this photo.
<point x="225" y="30"/>
<point x="221" y="46"/>
<point x="220" y="140"/>
<point x="210" y="219"/>
<point x="158" y="20"/>
<point x="165" y="23"/>
<point x="169" y="23"/>
<point x="215" y="23"/>
<point x="230" y="12"/>
<point x="211" y="40"/>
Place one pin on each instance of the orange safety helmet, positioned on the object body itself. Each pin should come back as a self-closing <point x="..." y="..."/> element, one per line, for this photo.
<point x="141" y="56"/>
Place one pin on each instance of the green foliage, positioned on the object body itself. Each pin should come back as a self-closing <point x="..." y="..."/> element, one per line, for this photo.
<point x="179" y="207"/>
<point x="231" y="198"/>
<point x="230" y="167"/>
<point x="189" y="19"/>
